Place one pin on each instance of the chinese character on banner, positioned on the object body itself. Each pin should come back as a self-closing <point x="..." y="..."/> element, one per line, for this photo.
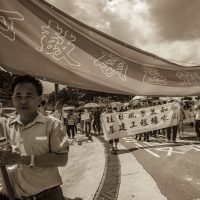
<point x="111" y="131"/>
<point x="58" y="43"/>
<point x="144" y="122"/>
<point x="143" y="112"/>
<point x="122" y="127"/>
<point x="121" y="116"/>
<point x="8" y="19"/>
<point x="112" y="65"/>
<point x="109" y="119"/>
<point x="164" y="118"/>
<point x="163" y="109"/>
<point x="153" y="111"/>
<point x="154" y="120"/>
<point x="131" y="115"/>
<point x="133" y="124"/>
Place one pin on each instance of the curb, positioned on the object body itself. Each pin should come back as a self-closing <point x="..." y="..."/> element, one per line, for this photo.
<point x="109" y="186"/>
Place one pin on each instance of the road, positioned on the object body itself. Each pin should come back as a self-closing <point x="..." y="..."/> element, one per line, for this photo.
<point x="175" y="167"/>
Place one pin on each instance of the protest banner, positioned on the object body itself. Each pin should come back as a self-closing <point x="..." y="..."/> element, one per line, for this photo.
<point x="38" y="39"/>
<point x="122" y="124"/>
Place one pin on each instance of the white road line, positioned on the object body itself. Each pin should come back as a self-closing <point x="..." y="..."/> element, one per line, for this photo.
<point x="154" y="144"/>
<point x="149" y="151"/>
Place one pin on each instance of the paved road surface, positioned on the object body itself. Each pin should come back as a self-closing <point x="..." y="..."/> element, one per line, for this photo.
<point x="174" y="167"/>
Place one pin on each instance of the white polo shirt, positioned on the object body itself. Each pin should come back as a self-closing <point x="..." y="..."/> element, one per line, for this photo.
<point x="43" y="135"/>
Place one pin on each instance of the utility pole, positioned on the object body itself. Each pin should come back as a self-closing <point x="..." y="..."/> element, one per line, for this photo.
<point x="56" y="92"/>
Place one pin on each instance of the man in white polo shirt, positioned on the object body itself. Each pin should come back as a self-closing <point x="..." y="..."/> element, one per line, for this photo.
<point x="40" y="143"/>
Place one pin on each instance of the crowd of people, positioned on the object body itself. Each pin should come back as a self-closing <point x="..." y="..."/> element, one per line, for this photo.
<point x="87" y="121"/>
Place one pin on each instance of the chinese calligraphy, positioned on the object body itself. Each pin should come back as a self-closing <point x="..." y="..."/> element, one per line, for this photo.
<point x="7" y="19"/>
<point x="153" y="76"/>
<point x="58" y="44"/>
<point x="111" y="64"/>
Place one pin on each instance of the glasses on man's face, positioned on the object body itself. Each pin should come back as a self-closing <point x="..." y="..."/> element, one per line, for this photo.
<point x="26" y="98"/>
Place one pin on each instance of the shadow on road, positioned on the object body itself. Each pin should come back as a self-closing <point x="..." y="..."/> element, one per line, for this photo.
<point x="76" y="198"/>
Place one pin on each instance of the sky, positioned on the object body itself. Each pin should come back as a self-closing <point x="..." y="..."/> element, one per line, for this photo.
<point x="167" y="28"/>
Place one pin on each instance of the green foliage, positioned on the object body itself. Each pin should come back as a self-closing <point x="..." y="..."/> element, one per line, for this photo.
<point x="73" y="96"/>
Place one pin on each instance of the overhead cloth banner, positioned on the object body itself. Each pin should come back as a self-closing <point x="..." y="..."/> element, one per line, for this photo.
<point x="122" y="124"/>
<point x="40" y="40"/>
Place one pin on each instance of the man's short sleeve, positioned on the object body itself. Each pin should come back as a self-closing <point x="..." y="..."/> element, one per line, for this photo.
<point x="58" y="137"/>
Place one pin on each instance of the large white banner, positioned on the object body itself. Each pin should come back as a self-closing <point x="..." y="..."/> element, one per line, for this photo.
<point x="40" y="40"/>
<point x="122" y="124"/>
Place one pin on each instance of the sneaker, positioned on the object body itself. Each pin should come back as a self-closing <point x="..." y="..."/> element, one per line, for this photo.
<point x="168" y="141"/>
<point x="174" y="141"/>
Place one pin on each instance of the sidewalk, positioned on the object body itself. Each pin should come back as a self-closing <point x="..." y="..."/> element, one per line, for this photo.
<point x="93" y="173"/>
<point x="84" y="170"/>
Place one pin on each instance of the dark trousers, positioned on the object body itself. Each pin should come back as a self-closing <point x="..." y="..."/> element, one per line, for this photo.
<point x="197" y="128"/>
<point x="88" y="129"/>
<point x="96" y="126"/>
<point x="146" y="136"/>
<point x="54" y="193"/>
<point x="172" y="130"/>
<point x="71" y="129"/>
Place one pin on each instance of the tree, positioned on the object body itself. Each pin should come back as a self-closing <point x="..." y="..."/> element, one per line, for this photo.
<point x="72" y="96"/>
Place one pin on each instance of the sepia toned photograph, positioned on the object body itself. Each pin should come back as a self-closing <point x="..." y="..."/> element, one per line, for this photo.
<point x="99" y="100"/>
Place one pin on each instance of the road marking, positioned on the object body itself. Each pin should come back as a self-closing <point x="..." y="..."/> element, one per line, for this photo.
<point x="149" y="151"/>
<point x="130" y="186"/>
<point x="169" y="150"/>
<point x="129" y="139"/>
<point x="154" y="144"/>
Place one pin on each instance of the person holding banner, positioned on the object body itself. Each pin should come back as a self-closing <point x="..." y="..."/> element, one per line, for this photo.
<point x="113" y="143"/>
<point x="39" y="145"/>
